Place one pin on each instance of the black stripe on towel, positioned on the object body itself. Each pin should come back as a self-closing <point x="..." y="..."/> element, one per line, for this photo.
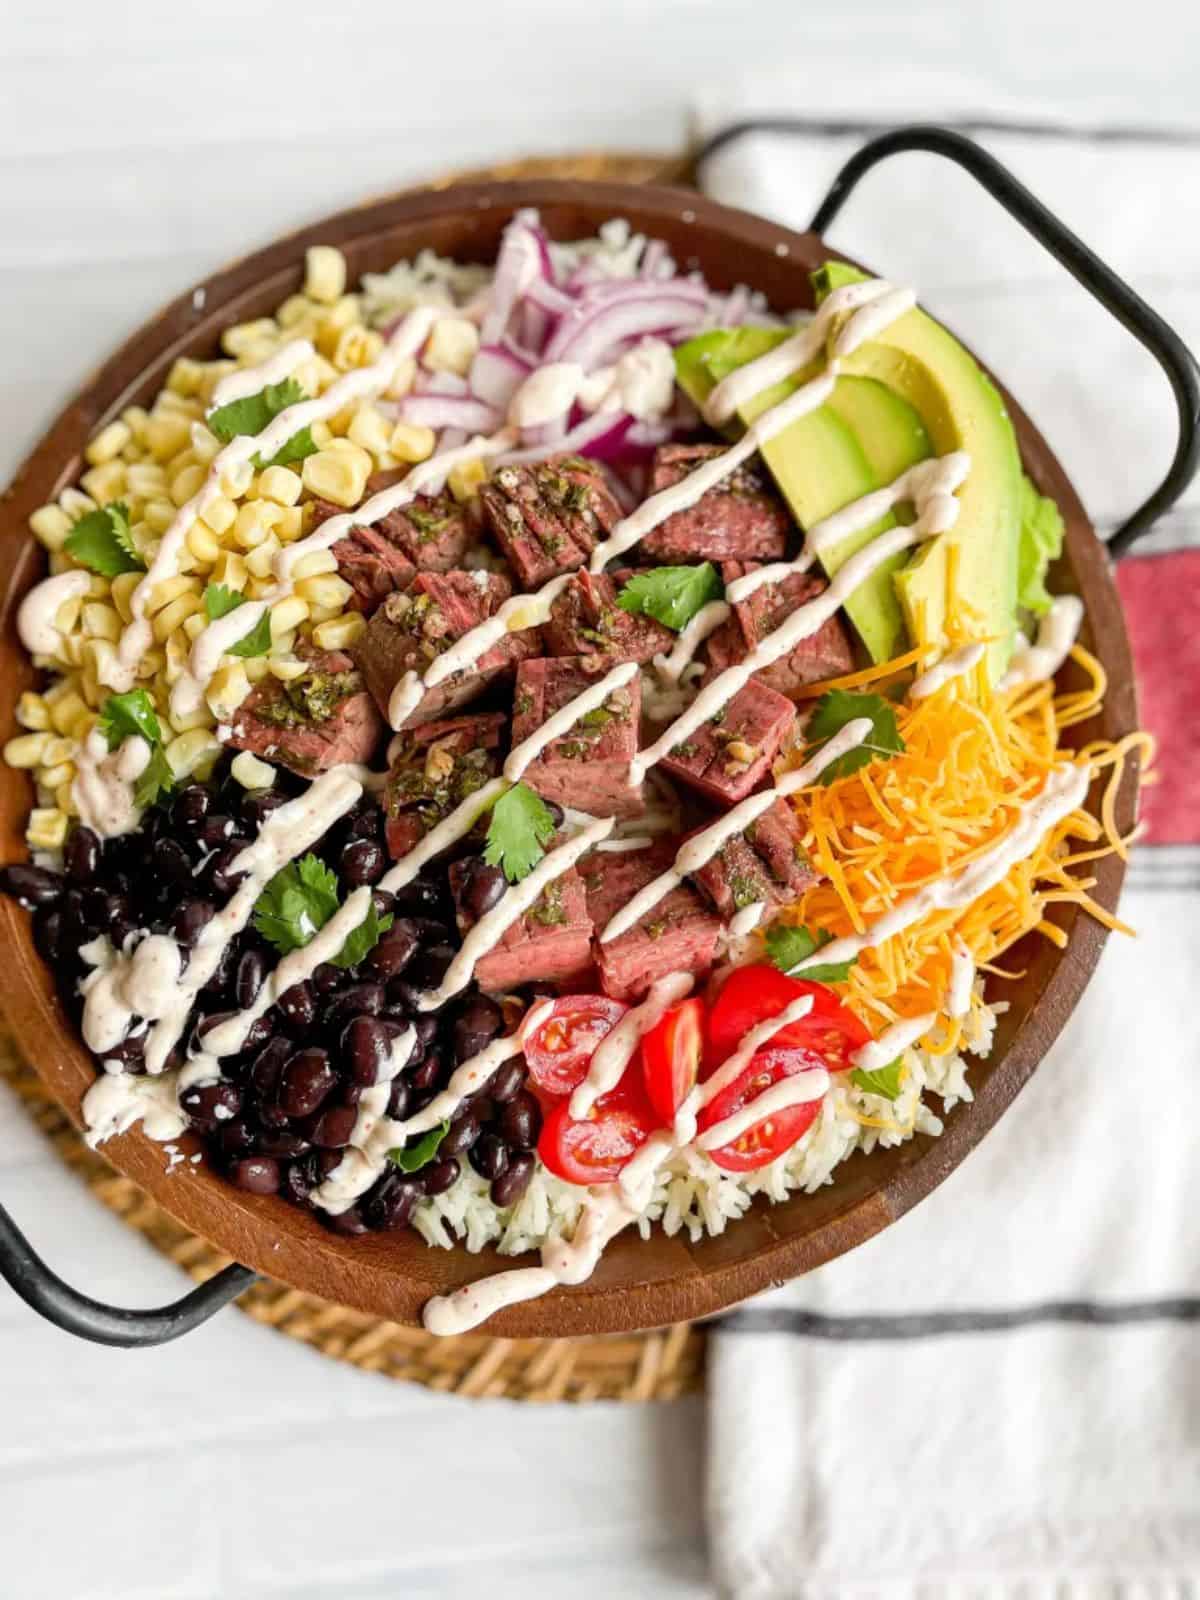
<point x="937" y="1324"/>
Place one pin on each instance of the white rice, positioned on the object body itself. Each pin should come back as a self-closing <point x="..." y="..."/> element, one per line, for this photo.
<point x="695" y="1197"/>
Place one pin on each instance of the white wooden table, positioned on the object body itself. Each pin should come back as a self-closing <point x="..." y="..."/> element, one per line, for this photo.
<point x="140" y="145"/>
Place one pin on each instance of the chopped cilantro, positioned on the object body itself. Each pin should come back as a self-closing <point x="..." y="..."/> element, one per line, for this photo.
<point x="418" y="1153"/>
<point x="219" y="602"/>
<point x="671" y="595"/>
<point x="885" y="1081"/>
<point x="255" y="412"/>
<point x="788" y="947"/>
<point x="132" y="715"/>
<point x="296" y="904"/>
<point x="102" y="542"/>
<point x="362" y="940"/>
<point x="520" y="829"/>
<point x="840" y="706"/>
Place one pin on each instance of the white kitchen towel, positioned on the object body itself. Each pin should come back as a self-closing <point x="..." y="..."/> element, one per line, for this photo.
<point x="999" y="1396"/>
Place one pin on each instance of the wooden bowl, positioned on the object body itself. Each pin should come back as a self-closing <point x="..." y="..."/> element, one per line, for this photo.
<point x="638" y="1284"/>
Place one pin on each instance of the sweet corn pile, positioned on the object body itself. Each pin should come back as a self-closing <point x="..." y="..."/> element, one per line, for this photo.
<point x="154" y="461"/>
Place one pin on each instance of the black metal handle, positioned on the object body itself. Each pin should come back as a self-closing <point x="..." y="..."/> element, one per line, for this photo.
<point x="46" y="1293"/>
<point x="1130" y="310"/>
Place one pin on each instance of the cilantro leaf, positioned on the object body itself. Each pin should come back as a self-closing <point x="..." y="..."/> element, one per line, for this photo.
<point x="884" y="1081"/>
<point x="1041" y="540"/>
<point x="296" y="904"/>
<point x="123" y="714"/>
<point x="788" y="947"/>
<point x="671" y="595"/>
<point x="418" y="1153"/>
<point x="840" y="706"/>
<point x="364" y="938"/>
<point x="520" y="829"/>
<point x="219" y="602"/>
<point x="254" y="412"/>
<point x="155" y="781"/>
<point x="102" y="542"/>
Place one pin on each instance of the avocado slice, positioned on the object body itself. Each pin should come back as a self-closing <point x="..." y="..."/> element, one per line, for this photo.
<point x="961" y="410"/>
<point x="861" y="439"/>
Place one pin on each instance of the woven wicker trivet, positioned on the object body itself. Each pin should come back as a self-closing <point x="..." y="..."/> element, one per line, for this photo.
<point x="654" y="1366"/>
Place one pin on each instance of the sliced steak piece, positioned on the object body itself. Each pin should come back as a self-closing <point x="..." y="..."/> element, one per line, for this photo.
<point x="588" y="767"/>
<point x="827" y="653"/>
<point x="586" y="620"/>
<point x="430" y="535"/>
<point x="742" y="516"/>
<point x="437" y="765"/>
<point x="767" y="862"/>
<point x="409" y="631"/>
<point x="551" y="943"/>
<point x="728" y="756"/>
<point x="678" y="935"/>
<point x="314" y="722"/>
<point x="549" y="517"/>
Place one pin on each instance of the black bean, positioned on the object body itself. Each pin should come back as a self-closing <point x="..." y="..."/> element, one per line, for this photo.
<point x="235" y="1138"/>
<point x="93" y="909"/>
<point x="350" y="1222"/>
<point x="481" y="888"/>
<point x="209" y="1104"/>
<point x="48" y="933"/>
<point x="298" y="1008"/>
<point x="30" y="886"/>
<point x="355" y="999"/>
<point x="429" y="966"/>
<point x="440" y="1175"/>
<point x="476" y="1025"/>
<point x="365" y="1046"/>
<point x="403" y="997"/>
<point x="281" y="1142"/>
<point x="256" y="805"/>
<point x="298" y="1181"/>
<point x="333" y="1127"/>
<point x="223" y="972"/>
<point x="326" y="978"/>
<point x="426" y="1074"/>
<point x="306" y="1082"/>
<point x="171" y="864"/>
<point x="488" y="1155"/>
<point x="251" y="975"/>
<point x="426" y="1029"/>
<point x="384" y="903"/>
<point x="258" y="1174"/>
<point x="81" y="854"/>
<point x="512" y="1183"/>
<point x="520" y="1121"/>
<point x="224" y="880"/>
<point x="392" y="1201"/>
<point x="362" y="862"/>
<point x="460" y="1136"/>
<point x="365" y="823"/>
<point x="398" y="1098"/>
<point x="507" y="1080"/>
<point x="192" y="805"/>
<point x="394" y="951"/>
<point x="190" y="919"/>
<point x="215" y="830"/>
<point x="419" y="898"/>
<point x="265" y="1072"/>
<point x="130" y="1052"/>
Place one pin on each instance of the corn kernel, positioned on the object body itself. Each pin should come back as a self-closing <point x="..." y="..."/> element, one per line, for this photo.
<point x="205" y="444"/>
<point x="64" y="799"/>
<point x="288" y="614"/>
<point x="315" y="562"/>
<point x="370" y="429"/>
<point x="185" y="376"/>
<point x="338" y="475"/>
<point x="287" y="668"/>
<point x="56" y="750"/>
<point x="252" y="525"/>
<point x="123" y="586"/>
<point x="101" y="621"/>
<point x="135" y="419"/>
<point x="50" y="526"/>
<point x="293" y="310"/>
<point x="32" y="711"/>
<point x="465" y="480"/>
<point x="25" y="751"/>
<point x="193" y="754"/>
<point x="356" y="347"/>
<point x="230" y="570"/>
<point x="188" y="482"/>
<point x="68" y="614"/>
<point x="220" y="515"/>
<point x="147" y="480"/>
<point x="172" y="616"/>
<point x="76" y="504"/>
<point x="324" y="273"/>
<point x="108" y="443"/>
<point x="403" y="378"/>
<point x="106" y="482"/>
<point x="236" y="480"/>
<point x="260" y="563"/>
<point x="243" y="336"/>
<point x="326" y="589"/>
<point x="290" y="525"/>
<point x="170" y="406"/>
<point x="46" y="828"/>
<point x="167" y="436"/>
<point x="281" y="485"/>
<point x="158" y="515"/>
<point x="410" y="442"/>
<point x="339" y="632"/>
<point x="321" y="433"/>
<point x="452" y="346"/>
<point x="227" y="689"/>
<point x="203" y="543"/>
<point x="168" y="589"/>
<point x="259" y="588"/>
<point x="250" y="772"/>
<point x="51" y="777"/>
<point x="98" y="657"/>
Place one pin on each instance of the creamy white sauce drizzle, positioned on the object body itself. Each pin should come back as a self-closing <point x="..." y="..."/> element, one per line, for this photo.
<point x="955" y="665"/>
<point x="526" y="753"/>
<point x="746" y="920"/>
<point x="708" y="619"/>
<point x="547" y="394"/>
<point x="796" y="1090"/>
<point x="617" y="1049"/>
<point x="103" y="786"/>
<point x="118" y="1100"/>
<point x="242" y="384"/>
<point x="360" y="1167"/>
<point x="36" y="626"/>
<point x="894" y="1039"/>
<point x="446" y="833"/>
<point x="962" y="980"/>
<point x="1057" y="632"/>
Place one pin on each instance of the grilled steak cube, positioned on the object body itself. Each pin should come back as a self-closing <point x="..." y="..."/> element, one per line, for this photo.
<point x="588" y="767"/>
<point x="586" y="620"/>
<point x="550" y="516"/>
<point x="409" y="631"/>
<point x="741" y="517"/>
<point x="430" y="535"/>
<point x="678" y="935"/>
<point x="728" y="756"/>
<point x="825" y="654"/>
<point x="314" y="722"/>
<point x="767" y="862"/>
<point x="551" y="943"/>
<point x="437" y="765"/>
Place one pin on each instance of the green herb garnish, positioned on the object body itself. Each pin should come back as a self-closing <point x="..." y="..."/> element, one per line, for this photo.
<point x="885" y="1082"/>
<point x="362" y="940"/>
<point x="219" y="602"/>
<point x="299" y="901"/>
<point x="255" y="412"/>
<point x="102" y="542"/>
<point x="420" y="1152"/>
<point x="788" y="947"/>
<point x="519" y="831"/>
<point x="132" y="715"/>
<point x="840" y="706"/>
<point x="671" y="595"/>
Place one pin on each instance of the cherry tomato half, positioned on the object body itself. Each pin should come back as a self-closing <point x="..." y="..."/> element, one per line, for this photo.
<point x="671" y="1054"/>
<point x="558" y="1051"/>
<point x="765" y="1140"/>
<point x="593" y="1149"/>
<point x="752" y="994"/>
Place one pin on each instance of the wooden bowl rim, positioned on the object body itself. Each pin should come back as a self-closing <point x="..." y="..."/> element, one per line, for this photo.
<point x="288" y="1245"/>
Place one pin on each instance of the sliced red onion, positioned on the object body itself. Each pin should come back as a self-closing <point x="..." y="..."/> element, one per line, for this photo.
<point x="438" y="411"/>
<point x="590" y="333"/>
<point x="497" y="372"/>
<point x="549" y="297"/>
<point x="532" y="325"/>
<point x="598" y="436"/>
<point x="439" y="383"/>
<point x="654" y="256"/>
<point x="545" y="433"/>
